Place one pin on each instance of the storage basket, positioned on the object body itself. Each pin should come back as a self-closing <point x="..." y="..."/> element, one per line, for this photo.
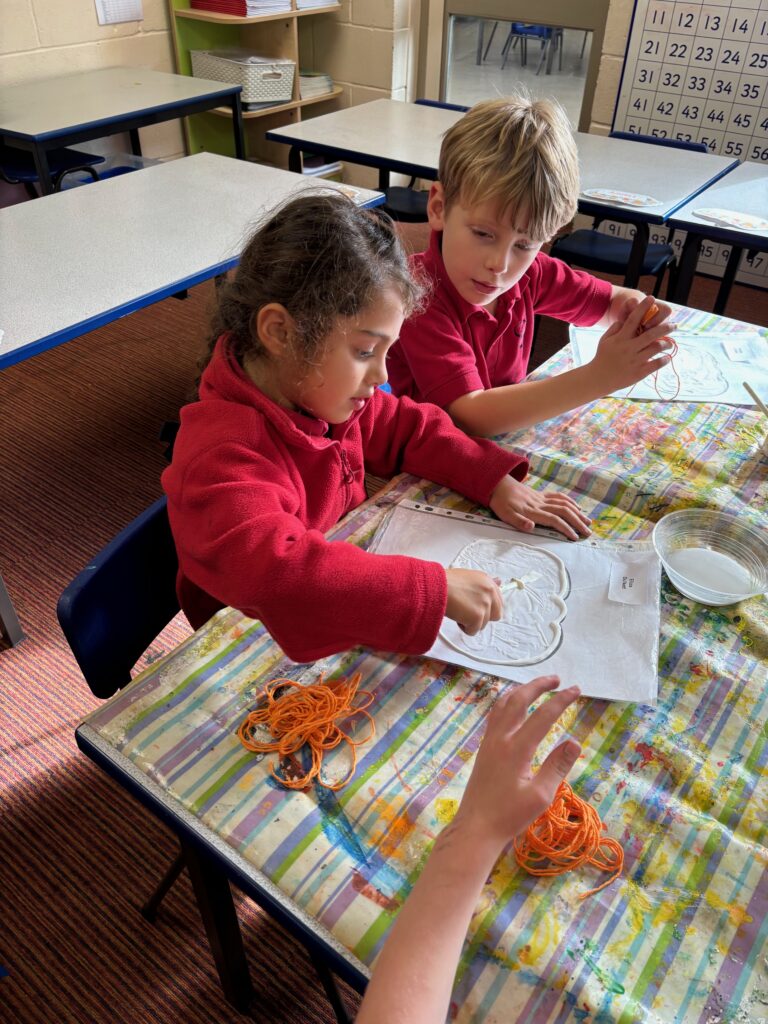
<point x="264" y="79"/>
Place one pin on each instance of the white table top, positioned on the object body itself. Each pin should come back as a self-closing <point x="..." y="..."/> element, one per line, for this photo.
<point x="663" y="173"/>
<point x="69" y="263"/>
<point x="743" y="190"/>
<point x="51" y="106"/>
<point x="387" y="131"/>
<point x="391" y="133"/>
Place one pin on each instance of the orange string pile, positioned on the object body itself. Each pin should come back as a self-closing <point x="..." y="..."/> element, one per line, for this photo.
<point x="567" y="835"/>
<point x="308" y="715"/>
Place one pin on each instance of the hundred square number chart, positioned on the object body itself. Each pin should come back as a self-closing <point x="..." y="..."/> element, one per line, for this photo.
<point x="698" y="72"/>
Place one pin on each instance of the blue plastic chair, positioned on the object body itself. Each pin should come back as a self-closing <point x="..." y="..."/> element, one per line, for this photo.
<point x="17" y="166"/>
<point x="113" y="610"/>
<point x="607" y="254"/>
<point x="404" y="202"/>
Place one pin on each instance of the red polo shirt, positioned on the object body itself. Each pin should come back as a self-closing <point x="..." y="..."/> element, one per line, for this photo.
<point x="454" y="347"/>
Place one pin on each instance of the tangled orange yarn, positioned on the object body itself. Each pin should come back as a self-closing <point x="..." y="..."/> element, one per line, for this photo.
<point x="310" y="716"/>
<point x="567" y="835"/>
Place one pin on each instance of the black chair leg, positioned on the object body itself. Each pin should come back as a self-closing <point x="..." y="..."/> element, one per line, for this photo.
<point x="150" y="908"/>
<point x="11" y="632"/>
<point x="729" y="276"/>
<point x="331" y="989"/>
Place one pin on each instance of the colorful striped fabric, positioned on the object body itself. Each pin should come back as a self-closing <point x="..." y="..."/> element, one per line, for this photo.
<point x="680" y="938"/>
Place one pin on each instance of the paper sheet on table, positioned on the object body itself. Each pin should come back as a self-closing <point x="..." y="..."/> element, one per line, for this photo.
<point x="607" y="639"/>
<point x="706" y="367"/>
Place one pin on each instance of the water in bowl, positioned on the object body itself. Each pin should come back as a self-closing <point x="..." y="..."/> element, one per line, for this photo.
<point x="711" y="570"/>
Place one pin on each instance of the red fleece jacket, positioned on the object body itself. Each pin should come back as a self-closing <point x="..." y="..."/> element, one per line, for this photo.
<point x="253" y="488"/>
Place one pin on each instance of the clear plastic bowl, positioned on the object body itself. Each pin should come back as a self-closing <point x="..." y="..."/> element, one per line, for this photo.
<point x="712" y="557"/>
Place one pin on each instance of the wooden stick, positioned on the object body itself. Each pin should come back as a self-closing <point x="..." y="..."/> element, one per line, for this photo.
<point x="758" y="401"/>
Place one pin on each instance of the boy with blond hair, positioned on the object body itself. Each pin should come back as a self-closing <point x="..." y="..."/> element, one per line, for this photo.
<point x="508" y="182"/>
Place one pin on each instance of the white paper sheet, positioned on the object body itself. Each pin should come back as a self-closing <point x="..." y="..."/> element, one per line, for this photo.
<point x="607" y="640"/>
<point x="706" y="368"/>
<point x="112" y="12"/>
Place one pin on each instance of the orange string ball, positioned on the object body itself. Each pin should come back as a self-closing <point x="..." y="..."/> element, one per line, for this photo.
<point x="306" y="715"/>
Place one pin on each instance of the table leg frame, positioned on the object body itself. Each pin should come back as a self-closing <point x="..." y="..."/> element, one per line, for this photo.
<point x="217" y="909"/>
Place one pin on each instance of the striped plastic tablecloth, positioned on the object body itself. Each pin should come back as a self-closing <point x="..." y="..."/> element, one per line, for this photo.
<point x="681" y="936"/>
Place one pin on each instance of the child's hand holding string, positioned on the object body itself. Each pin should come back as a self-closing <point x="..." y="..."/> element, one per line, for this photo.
<point x="631" y="349"/>
<point x="522" y="507"/>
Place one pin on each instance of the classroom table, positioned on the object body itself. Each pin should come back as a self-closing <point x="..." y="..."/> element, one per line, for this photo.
<point x="189" y="219"/>
<point x="406" y="137"/>
<point x="67" y="109"/>
<point x="745" y="191"/>
<point x="679" y="938"/>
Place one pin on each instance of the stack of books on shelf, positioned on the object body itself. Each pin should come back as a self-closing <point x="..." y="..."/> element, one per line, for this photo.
<point x="319" y="166"/>
<point x="306" y="5"/>
<point x="242" y="8"/>
<point x="314" y="83"/>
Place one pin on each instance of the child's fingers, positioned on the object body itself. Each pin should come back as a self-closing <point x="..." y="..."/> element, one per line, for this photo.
<point x="659" y="364"/>
<point x="639" y="313"/>
<point x="519" y="521"/>
<point x="654" y="334"/>
<point x="562" y="503"/>
<point x="511" y="709"/>
<point x="557" y="765"/>
<point x="567" y="521"/>
<point x="537" y="725"/>
<point x="554" y="522"/>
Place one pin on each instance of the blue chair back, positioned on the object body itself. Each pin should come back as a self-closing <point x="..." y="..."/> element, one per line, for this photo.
<point x="113" y="610"/>
<point x="698" y="147"/>
<point x="523" y="28"/>
<point x="439" y="103"/>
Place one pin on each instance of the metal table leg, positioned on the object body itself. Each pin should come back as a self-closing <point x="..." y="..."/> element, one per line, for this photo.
<point x="214" y="900"/>
<point x="686" y="268"/>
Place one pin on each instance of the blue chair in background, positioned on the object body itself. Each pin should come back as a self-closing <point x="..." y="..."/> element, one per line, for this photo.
<point x="550" y="41"/>
<point x="404" y="202"/>
<point x="592" y="249"/>
<point x="17" y="166"/>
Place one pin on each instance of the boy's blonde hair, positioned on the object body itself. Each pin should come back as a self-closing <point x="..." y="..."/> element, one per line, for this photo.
<point x="518" y="152"/>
